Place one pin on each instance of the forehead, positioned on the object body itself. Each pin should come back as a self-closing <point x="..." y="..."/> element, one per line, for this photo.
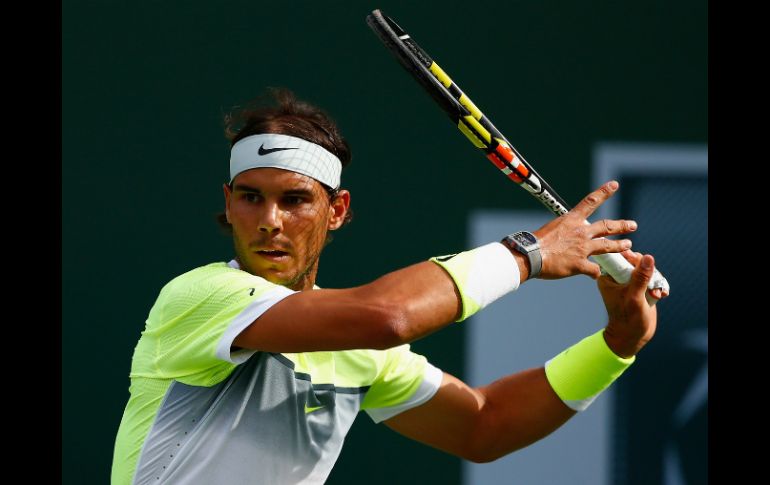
<point x="276" y="180"/>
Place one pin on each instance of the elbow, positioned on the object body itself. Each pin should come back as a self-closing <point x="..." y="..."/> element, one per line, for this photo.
<point x="480" y="459"/>
<point x="478" y="450"/>
<point x="485" y="443"/>
<point x="482" y="454"/>
<point x="393" y="327"/>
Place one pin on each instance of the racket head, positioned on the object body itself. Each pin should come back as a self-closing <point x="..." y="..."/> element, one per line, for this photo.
<point x="415" y="60"/>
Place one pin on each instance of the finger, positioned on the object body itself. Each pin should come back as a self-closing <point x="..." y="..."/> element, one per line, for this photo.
<point x="588" y="205"/>
<point x="608" y="227"/>
<point x="592" y="269"/>
<point x="659" y="293"/>
<point x="656" y="293"/>
<point x="632" y="257"/>
<point x="642" y="274"/>
<point x="603" y="246"/>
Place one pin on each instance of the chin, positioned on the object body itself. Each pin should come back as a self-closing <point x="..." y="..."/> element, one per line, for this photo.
<point x="269" y="274"/>
<point x="278" y="278"/>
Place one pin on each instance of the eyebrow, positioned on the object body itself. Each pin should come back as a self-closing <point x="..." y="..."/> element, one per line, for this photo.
<point x="246" y="188"/>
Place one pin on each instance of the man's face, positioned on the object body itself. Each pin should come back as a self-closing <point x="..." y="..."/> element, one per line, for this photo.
<point x="280" y="220"/>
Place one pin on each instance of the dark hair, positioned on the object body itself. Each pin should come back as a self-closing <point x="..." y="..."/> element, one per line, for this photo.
<point x="286" y="115"/>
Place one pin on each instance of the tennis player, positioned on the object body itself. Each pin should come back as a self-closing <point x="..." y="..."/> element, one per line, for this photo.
<point x="248" y="373"/>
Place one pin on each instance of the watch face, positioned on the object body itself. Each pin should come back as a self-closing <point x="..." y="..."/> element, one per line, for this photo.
<point x="524" y="238"/>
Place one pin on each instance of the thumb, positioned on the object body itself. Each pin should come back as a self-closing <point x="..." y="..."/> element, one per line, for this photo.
<point x="642" y="274"/>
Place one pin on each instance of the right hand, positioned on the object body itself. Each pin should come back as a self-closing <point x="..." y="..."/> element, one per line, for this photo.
<point x="567" y="241"/>
<point x="631" y="320"/>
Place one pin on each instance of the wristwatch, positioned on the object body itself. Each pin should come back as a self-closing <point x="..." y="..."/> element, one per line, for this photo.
<point x="527" y="244"/>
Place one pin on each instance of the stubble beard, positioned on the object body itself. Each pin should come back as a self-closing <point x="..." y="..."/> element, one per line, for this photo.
<point x="304" y="280"/>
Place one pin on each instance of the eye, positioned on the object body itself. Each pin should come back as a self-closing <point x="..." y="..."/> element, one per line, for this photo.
<point x="251" y="197"/>
<point x="294" y="199"/>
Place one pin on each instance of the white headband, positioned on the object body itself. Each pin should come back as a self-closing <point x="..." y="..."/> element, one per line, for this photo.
<point x="286" y="152"/>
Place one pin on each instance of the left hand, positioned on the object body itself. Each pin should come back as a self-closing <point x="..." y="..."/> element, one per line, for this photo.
<point x="632" y="321"/>
<point x="567" y="241"/>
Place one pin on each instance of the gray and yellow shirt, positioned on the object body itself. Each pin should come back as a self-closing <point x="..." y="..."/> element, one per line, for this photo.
<point x="199" y="413"/>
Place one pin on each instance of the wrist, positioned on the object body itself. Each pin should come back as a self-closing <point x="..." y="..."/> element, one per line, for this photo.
<point x="481" y="275"/>
<point x="523" y="264"/>
<point x="525" y="246"/>
<point x="623" y="346"/>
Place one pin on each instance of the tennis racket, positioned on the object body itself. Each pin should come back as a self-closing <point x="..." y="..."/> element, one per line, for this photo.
<point x="482" y="133"/>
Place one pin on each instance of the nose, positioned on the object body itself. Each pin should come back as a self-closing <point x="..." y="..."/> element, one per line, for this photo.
<point x="270" y="219"/>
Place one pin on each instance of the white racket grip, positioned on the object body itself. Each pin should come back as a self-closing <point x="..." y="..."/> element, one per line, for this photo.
<point x="615" y="265"/>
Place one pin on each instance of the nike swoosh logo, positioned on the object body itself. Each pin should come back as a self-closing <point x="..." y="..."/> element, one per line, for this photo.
<point x="309" y="410"/>
<point x="264" y="151"/>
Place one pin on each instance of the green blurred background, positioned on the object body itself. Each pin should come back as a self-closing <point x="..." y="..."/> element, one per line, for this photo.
<point x="144" y="87"/>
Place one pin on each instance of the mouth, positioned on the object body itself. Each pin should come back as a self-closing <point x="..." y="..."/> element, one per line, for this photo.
<point x="275" y="255"/>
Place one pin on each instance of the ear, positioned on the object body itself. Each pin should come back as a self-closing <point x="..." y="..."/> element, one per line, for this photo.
<point x="338" y="209"/>
<point x="228" y="194"/>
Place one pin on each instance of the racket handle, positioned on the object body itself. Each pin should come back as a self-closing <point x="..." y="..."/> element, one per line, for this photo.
<point x="620" y="269"/>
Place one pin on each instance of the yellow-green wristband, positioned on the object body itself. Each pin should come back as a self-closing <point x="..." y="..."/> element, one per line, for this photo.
<point x="580" y="373"/>
<point x="481" y="275"/>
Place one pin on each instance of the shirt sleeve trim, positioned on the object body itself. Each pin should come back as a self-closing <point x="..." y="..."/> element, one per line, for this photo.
<point x="430" y="384"/>
<point x="243" y="320"/>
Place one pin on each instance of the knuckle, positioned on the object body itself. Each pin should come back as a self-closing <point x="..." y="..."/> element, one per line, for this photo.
<point x="558" y="221"/>
<point x="593" y="271"/>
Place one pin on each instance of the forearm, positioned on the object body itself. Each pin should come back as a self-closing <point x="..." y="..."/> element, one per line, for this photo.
<point x="569" y="382"/>
<point x="485" y="423"/>
<point x="518" y="410"/>
<point x="428" y="297"/>
<point x="423" y="297"/>
<point x="397" y="308"/>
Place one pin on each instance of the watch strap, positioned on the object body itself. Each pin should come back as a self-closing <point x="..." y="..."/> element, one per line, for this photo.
<point x="532" y="251"/>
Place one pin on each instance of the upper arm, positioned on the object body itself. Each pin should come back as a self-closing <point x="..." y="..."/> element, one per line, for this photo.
<point x="190" y="328"/>
<point x="446" y="421"/>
